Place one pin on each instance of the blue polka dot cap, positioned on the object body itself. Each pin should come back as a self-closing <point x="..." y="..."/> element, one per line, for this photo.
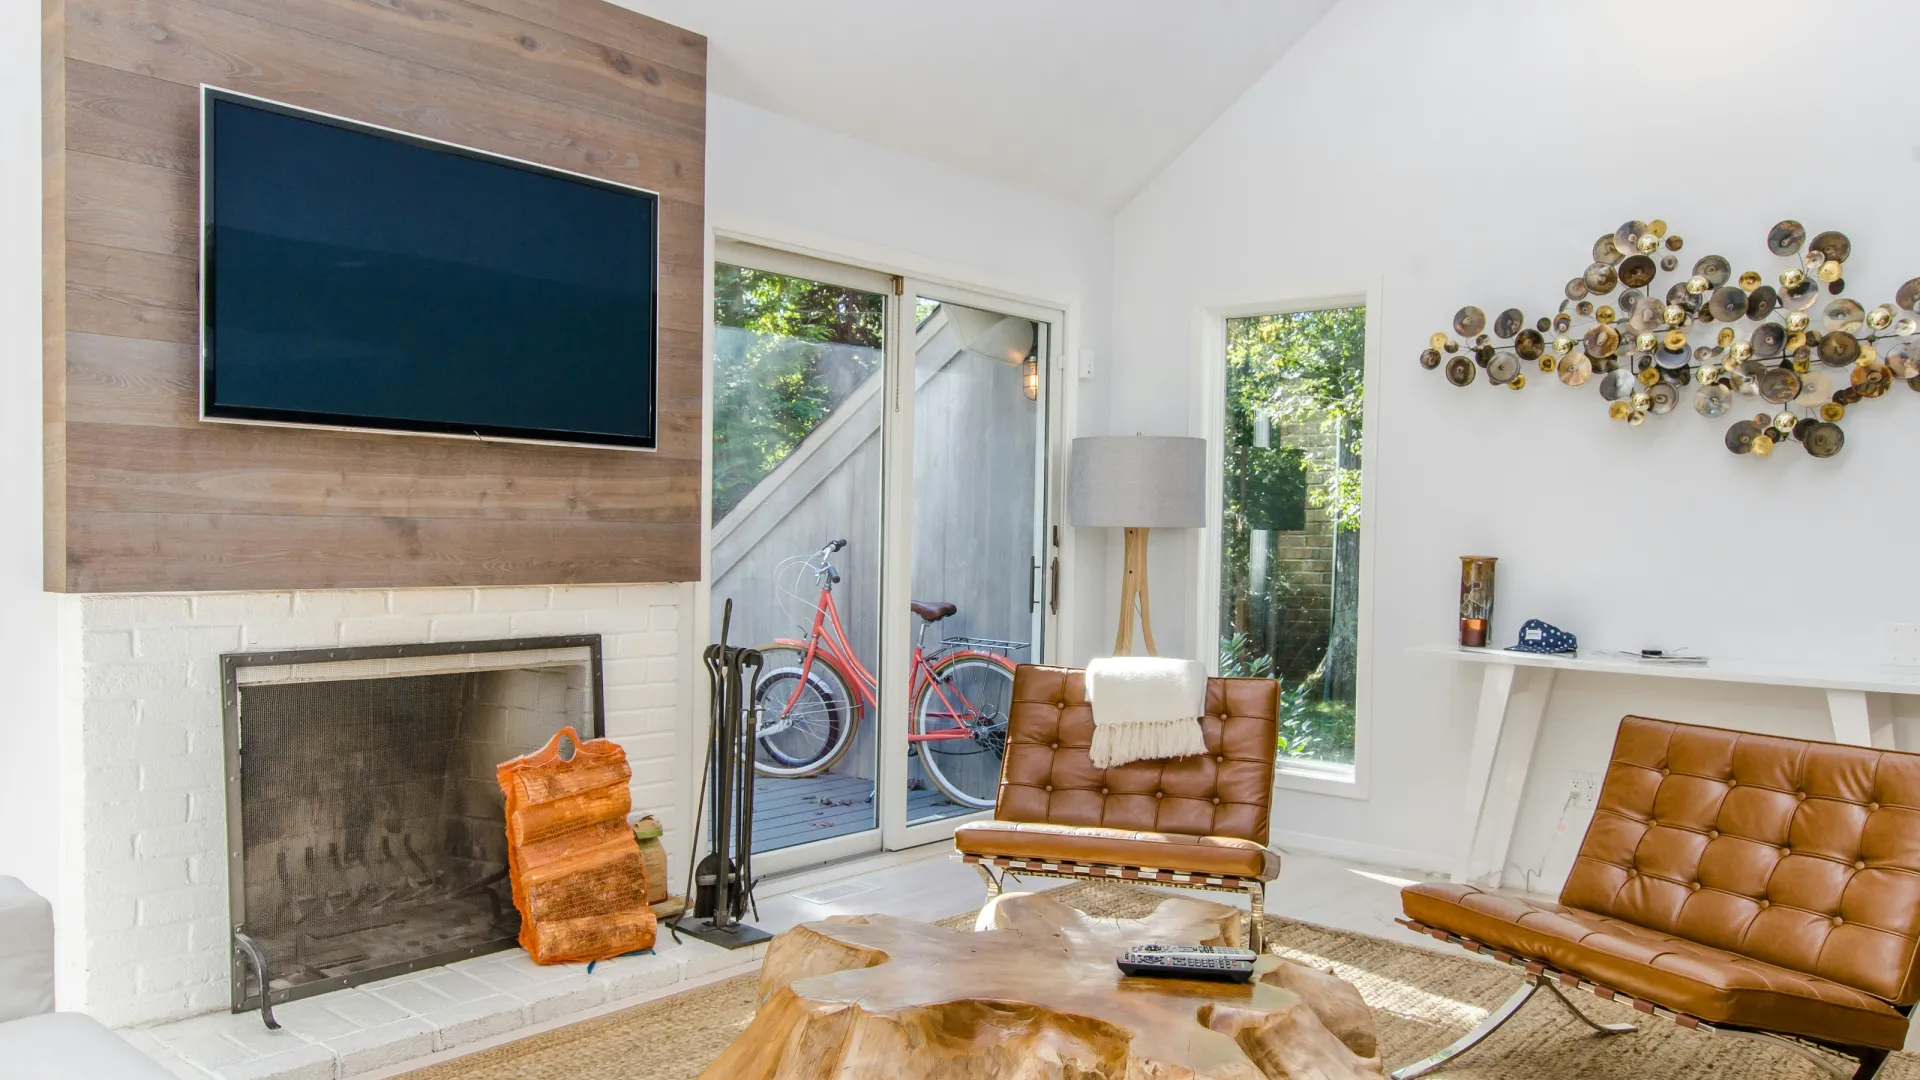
<point x="1543" y="637"/>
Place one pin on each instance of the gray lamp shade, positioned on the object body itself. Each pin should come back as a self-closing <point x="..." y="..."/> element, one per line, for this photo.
<point x="1138" y="482"/>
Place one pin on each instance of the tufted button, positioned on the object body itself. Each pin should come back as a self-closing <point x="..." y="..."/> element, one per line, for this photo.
<point x="1800" y="796"/>
<point x="1693" y="886"/>
<point x="1222" y="759"/>
<point x="1103" y="791"/>
<point x="1216" y="800"/>
<point x="1056" y="746"/>
<point x="1733" y="783"/>
<point x="1837" y="920"/>
<point x="1766" y="903"/>
<point x="1872" y="806"/>
<point x="1159" y="794"/>
<point x="1713" y="834"/>
<point x="1049" y="787"/>
<point x="1665" y="772"/>
<point x="1859" y="864"/>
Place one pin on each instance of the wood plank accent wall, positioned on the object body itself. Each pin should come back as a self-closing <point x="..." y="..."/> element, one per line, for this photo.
<point x="142" y="496"/>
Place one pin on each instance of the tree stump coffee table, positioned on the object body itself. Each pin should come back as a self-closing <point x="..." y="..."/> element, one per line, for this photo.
<point x="1033" y="993"/>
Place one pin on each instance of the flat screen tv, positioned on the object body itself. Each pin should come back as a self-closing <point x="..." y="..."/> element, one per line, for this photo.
<point x="352" y="276"/>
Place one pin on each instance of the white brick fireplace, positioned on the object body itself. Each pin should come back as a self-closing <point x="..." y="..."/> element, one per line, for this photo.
<point x="143" y="901"/>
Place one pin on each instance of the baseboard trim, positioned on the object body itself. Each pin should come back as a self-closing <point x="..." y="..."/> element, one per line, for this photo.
<point x="1428" y="862"/>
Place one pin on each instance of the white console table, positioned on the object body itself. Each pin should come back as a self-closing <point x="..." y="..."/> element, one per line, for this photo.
<point x="1513" y="694"/>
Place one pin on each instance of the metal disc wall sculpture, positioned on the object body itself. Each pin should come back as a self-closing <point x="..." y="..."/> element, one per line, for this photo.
<point x="1795" y="350"/>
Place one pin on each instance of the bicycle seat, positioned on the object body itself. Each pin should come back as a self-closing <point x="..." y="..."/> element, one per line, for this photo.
<point x="932" y="610"/>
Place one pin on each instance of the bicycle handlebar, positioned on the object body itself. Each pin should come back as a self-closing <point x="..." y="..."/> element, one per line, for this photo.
<point x="826" y="569"/>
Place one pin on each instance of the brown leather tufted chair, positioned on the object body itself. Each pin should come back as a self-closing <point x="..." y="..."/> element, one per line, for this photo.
<point x="1739" y="884"/>
<point x="1196" y="822"/>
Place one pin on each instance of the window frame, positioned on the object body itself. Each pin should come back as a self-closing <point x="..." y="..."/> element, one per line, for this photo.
<point x="1211" y="370"/>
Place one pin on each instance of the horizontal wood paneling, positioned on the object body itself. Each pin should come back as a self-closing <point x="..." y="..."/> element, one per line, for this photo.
<point x="365" y="552"/>
<point x="142" y="495"/>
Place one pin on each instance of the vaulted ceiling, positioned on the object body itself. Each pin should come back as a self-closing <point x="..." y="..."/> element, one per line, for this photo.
<point x="1082" y="99"/>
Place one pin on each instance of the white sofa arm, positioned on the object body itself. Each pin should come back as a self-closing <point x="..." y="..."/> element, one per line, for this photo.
<point x="26" y="952"/>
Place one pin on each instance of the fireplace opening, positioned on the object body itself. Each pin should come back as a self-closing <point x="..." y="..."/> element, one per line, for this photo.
<point x="366" y="827"/>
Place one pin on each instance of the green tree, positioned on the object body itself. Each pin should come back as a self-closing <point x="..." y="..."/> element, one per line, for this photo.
<point x="1305" y="367"/>
<point x="1298" y="370"/>
<point x="806" y="346"/>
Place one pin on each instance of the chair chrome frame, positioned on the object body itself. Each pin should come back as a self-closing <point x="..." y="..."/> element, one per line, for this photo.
<point x="1254" y="889"/>
<point x="1839" y="1062"/>
<point x="1498" y="1017"/>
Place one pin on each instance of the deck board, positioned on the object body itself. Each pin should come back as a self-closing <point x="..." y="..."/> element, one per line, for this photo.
<point x="788" y="811"/>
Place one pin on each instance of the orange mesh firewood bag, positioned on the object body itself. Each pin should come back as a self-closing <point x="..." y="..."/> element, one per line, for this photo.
<point x="578" y="878"/>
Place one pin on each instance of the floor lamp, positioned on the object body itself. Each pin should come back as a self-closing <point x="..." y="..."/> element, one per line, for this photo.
<point x="1137" y="483"/>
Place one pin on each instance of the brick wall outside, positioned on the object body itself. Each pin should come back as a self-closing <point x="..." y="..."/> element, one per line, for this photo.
<point x="1304" y="559"/>
<point x="142" y="912"/>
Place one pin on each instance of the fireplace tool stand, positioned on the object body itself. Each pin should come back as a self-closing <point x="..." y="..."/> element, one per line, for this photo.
<point x="722" y="886"/>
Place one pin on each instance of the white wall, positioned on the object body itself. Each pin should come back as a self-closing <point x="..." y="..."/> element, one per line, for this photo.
<point x="779" y="180"/>
<point x="29" y="833"/>
<point x="1469" y="153"/>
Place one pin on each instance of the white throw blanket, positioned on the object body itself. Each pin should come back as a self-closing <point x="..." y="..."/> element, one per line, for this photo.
<point x="1145" y="707"/>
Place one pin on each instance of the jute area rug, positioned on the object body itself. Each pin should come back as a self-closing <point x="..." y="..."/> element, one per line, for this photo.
<point x="1422" y="1001"/>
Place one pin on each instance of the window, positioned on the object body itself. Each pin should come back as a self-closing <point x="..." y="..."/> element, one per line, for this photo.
<point x="1290" y="519"/>
<point x="788" y="351"/>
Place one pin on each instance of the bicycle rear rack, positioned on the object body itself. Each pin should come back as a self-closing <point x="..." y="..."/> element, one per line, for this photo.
<point x="989" y="644"/>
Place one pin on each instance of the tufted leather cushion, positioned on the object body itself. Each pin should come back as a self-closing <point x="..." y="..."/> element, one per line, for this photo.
<point x="1801" y="854"/>
<point x="1715" y="985"/>
<point x="1723" y="867"/>
<point x="1049" y="777"/>
<point x="1226" y="855"/>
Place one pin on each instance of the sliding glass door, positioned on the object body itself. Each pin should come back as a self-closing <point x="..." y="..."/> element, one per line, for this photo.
<point x="977" y="572"/>
<point x="799" y="371"/>
<point x="880" y="532"/>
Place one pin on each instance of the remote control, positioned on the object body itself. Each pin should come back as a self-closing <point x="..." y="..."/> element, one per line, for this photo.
<point x="1189" y="962"/>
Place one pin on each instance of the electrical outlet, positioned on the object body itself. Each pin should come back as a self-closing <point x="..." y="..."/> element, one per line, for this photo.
<point x="1901" y="644"/>
<point x="1586" y="789"/>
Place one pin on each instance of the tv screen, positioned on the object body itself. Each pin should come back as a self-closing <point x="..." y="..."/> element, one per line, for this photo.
<point x="358" y="277"/>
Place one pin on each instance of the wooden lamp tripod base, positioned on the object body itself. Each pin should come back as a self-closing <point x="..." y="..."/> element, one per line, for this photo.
<point x="1133" y="596"/>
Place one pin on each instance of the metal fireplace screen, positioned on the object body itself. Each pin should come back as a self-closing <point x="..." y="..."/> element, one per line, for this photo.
<point x="370" y="832"/>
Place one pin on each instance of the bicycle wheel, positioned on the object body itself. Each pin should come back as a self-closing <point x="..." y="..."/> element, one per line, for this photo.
<point x="801" y="733"/>
<point x="968" y="693"/>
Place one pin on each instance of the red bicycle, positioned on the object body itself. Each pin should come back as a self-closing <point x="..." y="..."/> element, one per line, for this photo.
<point x="814" y="691"/>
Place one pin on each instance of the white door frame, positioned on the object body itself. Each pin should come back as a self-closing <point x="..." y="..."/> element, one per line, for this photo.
<point x="767" y="249"/>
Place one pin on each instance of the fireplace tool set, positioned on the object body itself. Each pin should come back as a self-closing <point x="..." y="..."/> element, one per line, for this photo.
<point x="722" y="884"/>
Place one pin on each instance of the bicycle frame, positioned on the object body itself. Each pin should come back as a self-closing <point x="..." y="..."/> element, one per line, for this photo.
<point x="827" y="637"/>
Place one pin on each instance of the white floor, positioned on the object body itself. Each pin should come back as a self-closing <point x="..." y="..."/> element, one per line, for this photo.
<point x="386" y="1029"/>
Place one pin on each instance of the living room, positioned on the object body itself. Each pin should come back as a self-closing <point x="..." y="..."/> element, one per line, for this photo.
<point x="812" y="406"/>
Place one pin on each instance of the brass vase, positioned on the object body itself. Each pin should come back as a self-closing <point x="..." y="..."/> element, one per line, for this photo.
<point x="1476" y="599"/>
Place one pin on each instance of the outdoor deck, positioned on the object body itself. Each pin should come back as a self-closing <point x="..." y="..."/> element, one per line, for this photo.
<point x="789" y="812"/>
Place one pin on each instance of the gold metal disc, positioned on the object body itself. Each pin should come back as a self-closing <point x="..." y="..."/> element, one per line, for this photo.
<point x="1834" y="245"/>
<point x="1786" y="237"/>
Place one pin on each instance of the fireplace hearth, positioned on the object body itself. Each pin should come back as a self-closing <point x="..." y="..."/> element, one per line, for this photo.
<point x="366" y="831"/>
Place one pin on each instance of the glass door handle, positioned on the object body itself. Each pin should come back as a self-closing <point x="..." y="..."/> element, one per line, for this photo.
<point x="1033" y="582"/>
<point x="1053" y="585"/>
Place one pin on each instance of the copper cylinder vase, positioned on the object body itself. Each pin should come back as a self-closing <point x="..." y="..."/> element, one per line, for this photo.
<point x="1476" y="599"/>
